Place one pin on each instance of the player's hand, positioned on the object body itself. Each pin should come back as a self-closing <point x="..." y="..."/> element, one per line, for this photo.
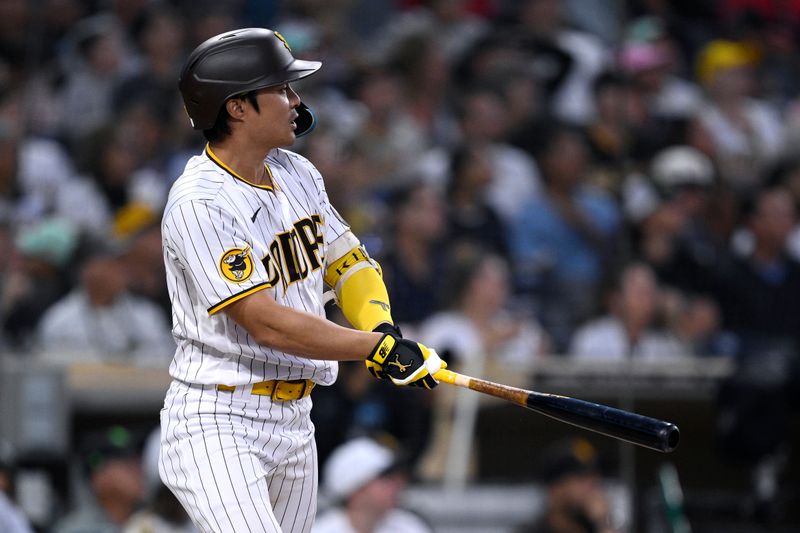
<point x="404" y="362"/>
<point x="389" y="329"/>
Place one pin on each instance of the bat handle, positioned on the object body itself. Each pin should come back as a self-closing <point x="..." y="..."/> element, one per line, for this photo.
<point x="453" y="378"/>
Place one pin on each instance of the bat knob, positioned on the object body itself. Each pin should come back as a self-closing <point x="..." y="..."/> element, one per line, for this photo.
<point x="669" y="438"/>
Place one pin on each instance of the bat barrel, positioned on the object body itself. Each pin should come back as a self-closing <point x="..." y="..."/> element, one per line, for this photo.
<point x="631" y="427"/>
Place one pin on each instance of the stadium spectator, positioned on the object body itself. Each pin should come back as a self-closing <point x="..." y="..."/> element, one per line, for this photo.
<point x="426" y="76"/>
<point x="686" y="221"/>
<point x="365" y="480"/>
<point x="561" y="241"/>
<point x="757" y="292"/>
<point x="356" y="406"/>
<point x="413" y="262"/>
<point x="39" y="275"/>
<point x="113" y="471"/>
<point x="116" y="197"/>
<point x="612" y="137"/>
<point x="746" y="132"/>
<point x="33" y="170"/>
<point x="159" y="34"/>
<point x="576" y="499"/>
<point x="477" y="322"/>
<point x="649" y="57"/>
<point x="102" y="318"/>
<point x="469" y="216"/>
<point x="542" y="26"/>
<point x="387" y="138"/>
<point x="631" y="329"/>
<point x="484" y="121"/>
<point x="696" y="323"/>
<point x="94" y="60"/>
<point x="454" y="27"/>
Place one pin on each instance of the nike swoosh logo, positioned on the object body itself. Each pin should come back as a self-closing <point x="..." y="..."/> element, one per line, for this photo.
<point x="253" y="218"/>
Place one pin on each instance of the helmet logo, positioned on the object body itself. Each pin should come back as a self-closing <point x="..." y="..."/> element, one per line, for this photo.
<point x="283" y="40"/>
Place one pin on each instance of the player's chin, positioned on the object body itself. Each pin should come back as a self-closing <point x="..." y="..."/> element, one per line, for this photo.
<point x="288" y="139"/>
<point x="290" y="135"/>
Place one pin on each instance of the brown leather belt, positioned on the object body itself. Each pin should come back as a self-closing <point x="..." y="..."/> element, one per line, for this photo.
<point x="278" y="390"/>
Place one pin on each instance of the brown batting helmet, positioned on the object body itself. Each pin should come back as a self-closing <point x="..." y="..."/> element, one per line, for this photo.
<point x="236" y="62"/>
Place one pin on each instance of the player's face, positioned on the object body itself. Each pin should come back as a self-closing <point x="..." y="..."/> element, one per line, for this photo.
<point x="273" y="125"/>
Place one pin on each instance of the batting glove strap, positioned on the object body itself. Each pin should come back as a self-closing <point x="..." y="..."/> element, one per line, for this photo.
<point x="389" y="329"/>
<point x="404" y="362"/>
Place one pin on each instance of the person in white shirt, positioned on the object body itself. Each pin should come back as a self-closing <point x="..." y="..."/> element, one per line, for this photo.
<point x="103" y="317"/>
<point x="628" y="331"/>
<point x="478" y="323"/>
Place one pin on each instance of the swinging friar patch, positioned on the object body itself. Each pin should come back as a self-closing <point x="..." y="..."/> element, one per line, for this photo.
<point x="236" y="265"/>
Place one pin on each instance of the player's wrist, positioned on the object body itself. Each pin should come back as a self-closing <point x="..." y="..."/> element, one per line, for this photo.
<point x="377" y="356"/>
<point x="388" y="329"/>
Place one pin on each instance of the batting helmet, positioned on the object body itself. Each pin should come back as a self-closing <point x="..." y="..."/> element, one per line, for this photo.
<point x="236" y="62"/>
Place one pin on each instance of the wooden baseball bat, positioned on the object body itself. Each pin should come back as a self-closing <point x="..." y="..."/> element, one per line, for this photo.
<point x="642" y="430"/>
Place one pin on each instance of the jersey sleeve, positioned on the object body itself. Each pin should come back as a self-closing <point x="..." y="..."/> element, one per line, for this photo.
<point x="215" y="252"/>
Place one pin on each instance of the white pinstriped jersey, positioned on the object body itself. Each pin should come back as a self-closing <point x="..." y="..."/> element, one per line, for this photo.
<point x="225" y="238"/>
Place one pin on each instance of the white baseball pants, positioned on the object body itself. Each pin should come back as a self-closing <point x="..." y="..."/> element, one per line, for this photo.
<point x="239" y="462"/>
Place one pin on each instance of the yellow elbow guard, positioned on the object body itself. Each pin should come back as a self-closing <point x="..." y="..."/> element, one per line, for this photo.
<point x="364" y="300"/>
<point x="362" y="296"/>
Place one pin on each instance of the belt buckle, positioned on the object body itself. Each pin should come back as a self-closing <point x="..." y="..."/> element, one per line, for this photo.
<point x="280" y="394"/>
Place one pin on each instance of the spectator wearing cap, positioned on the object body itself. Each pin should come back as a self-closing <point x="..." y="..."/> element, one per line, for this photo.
<point x="681" y="230"/>
<point x="114" y="475"/>
<point x="747" y="133"/>
<point x="576" y="500"/>
<point x="37" y="277"/>
<point x="649" y="57"/>
<point x="365" y="479"/>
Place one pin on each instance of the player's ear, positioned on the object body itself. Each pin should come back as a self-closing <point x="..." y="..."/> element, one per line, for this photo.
<point x="235" y="107"/>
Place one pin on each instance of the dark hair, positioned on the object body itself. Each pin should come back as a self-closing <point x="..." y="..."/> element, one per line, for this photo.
<point x="609" y="79"/>
<point x="403" y="195"/>
<point x="465" y="261"/>
<point x="222" y="128"/>
<point x="550" y="135"/>
<point x="750" y="207"/>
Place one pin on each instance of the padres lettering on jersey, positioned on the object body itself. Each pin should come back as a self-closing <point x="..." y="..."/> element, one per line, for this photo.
<point x="226" y="238"/>
<point x="294" y="254"/>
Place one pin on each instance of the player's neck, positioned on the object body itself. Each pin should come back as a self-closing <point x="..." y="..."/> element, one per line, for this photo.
<point x="246" y="161"/>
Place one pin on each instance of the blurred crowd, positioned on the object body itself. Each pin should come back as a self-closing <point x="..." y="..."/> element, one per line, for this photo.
<point x="603" y="180"/>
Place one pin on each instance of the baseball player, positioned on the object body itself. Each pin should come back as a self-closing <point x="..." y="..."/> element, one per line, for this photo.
<point x="250" y="241"/>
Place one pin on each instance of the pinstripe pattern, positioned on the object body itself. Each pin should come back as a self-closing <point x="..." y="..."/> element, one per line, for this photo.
<point x="239" y="462"/>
